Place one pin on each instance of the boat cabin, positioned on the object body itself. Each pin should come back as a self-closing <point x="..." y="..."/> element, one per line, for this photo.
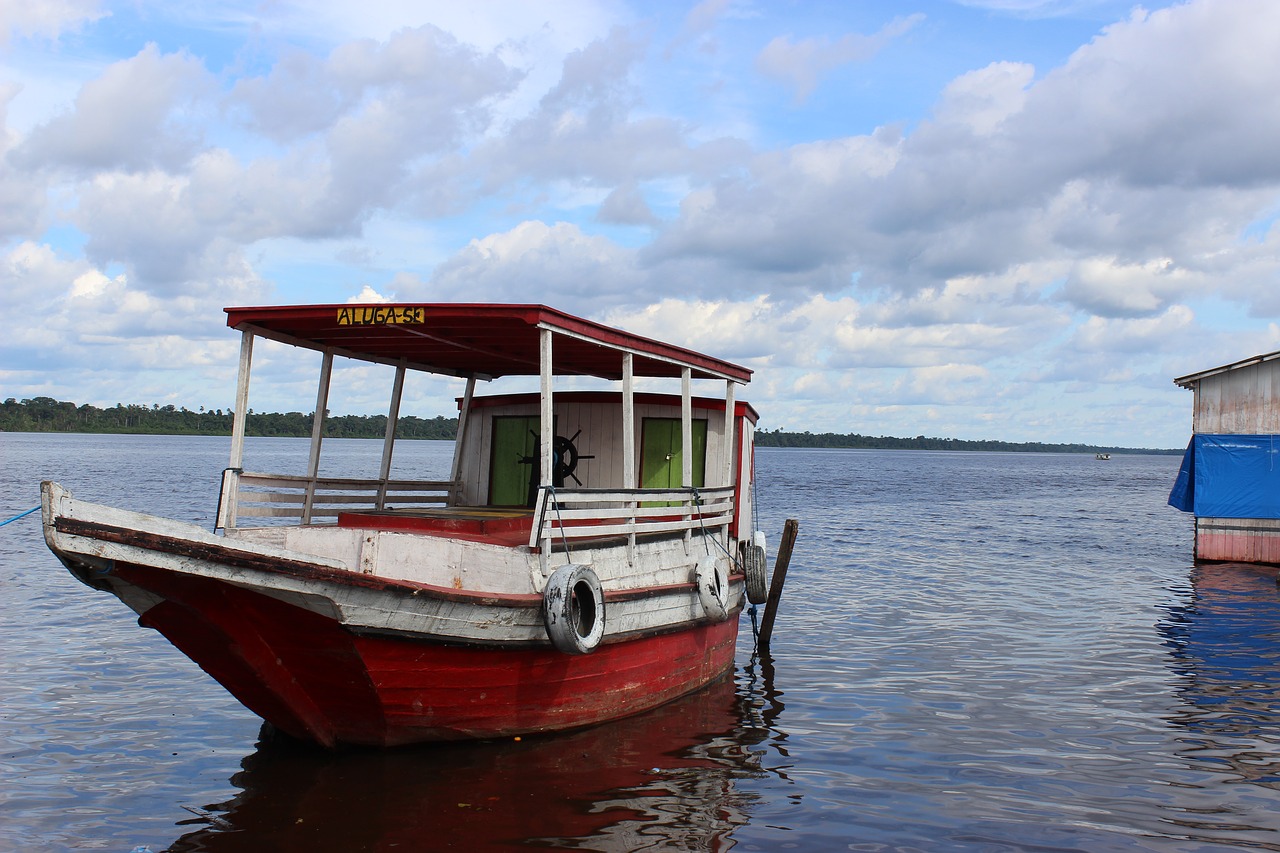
<point x="534" y="470"/>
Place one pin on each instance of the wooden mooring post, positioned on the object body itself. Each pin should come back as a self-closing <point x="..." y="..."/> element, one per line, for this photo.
<point x="789" y="532"/>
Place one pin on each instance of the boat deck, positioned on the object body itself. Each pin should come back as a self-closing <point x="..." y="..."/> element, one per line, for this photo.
<point x="499" y="525"/>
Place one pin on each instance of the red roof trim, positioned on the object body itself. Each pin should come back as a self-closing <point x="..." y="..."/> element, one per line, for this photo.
<point x="475" y="339"/>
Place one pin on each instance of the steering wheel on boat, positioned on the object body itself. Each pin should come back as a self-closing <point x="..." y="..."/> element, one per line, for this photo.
<point x="564" y="459"/>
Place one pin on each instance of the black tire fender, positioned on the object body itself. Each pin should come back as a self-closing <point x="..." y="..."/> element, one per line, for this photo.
<point x="712" y="577"/>
<point x="573" y="609"/>
<point x="756" y="568"/>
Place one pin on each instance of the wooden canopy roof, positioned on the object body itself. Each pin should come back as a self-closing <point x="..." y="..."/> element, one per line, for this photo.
<point x="1191" y="379"/>
<point x="483" y="340"/>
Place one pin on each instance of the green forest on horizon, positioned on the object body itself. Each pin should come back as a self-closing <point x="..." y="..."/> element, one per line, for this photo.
<point x="45" y="414"/>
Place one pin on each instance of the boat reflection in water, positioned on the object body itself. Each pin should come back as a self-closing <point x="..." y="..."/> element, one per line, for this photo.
<point x="1225" y="648"/>
<point x="663" y="779"/>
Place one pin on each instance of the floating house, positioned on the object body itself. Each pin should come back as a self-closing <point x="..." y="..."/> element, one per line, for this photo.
<point x="1230" y="475"/>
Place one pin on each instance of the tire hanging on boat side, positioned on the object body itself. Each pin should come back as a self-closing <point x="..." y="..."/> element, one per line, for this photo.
<point x="756" y="568"/>
<point x="573" y="609"/>
<point x="713" y="587"/>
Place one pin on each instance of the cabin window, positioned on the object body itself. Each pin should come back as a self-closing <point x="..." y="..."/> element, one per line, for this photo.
<point x="661" y="466"/>
<point x="513" y="461"/>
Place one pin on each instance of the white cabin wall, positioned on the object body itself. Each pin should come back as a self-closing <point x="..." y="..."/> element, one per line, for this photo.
<point x="601" y="426"/>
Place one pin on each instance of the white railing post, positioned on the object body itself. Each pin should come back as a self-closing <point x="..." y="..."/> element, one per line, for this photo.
<point x="730" y="407"/>
<point x="547" y="425"/>
<point x="317" y="432"/>
<point x="629" y="443"/>
<point x="389" y="440"/>
<point x="460" y="437"/>
<point x="686" y="444"/>
<point x="239" y="424"/>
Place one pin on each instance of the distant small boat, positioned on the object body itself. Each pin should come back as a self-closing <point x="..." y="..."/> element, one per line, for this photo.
<point x="586" y="559"/>
<point x="1104" y="457"/>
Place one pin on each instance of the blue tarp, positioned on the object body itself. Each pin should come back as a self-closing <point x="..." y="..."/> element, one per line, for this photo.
<point x="1229" y="476"/>
<point x="1183" y="494"/>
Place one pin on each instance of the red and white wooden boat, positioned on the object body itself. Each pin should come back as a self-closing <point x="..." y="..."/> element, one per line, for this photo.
<point x="586" y="560"/>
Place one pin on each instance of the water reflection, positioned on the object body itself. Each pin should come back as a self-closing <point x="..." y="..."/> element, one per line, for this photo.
<point x="1224" y="644"/>
<point x="665" y="779"/>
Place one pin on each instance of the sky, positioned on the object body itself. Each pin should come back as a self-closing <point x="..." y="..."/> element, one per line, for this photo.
<point x="976" y="219"/>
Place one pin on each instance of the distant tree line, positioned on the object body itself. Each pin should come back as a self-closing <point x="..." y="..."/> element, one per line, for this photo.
<point x="778" y="438"/>
<point x="45" y="414"/>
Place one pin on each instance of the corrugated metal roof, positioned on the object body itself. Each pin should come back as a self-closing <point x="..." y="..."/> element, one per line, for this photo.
<point x="483" y="340"/>
<point x="1191" y="378"/>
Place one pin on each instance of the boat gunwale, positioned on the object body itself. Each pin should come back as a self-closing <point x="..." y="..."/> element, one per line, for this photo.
<point x="247" y="559"/>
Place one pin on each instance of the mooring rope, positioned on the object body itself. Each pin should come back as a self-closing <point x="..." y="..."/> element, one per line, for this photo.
<point x="733" y="560"/>
<point x="20" y="515"/>
<point x="555" y="505"/>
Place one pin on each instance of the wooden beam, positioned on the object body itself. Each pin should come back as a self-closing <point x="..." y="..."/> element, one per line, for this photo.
<point x="460" y="438"/>
<point x="242" y="400"/>
<point x="727" y="456"/>
<point x="686" y="428"/>
<point x="389" y="439"/>
<point x="317" y="431"/>
<point x="789" y="532"/>
<point x="547" y="414"/>
<point x="229" y="495"/>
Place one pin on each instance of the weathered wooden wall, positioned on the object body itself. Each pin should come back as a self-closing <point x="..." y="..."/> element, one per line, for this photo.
<point x="1238" y="540"/>
<point x="1244" y="401"/>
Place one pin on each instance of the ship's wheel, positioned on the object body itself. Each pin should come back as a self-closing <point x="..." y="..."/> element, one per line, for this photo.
<point x="564" y="460"/>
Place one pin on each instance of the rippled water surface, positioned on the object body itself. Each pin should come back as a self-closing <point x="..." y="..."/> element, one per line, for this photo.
<point x="976" y="651"/>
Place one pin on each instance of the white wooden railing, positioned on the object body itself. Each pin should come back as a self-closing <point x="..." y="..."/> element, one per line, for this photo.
<point x="563" y="514"/>
<point x="303" y="499"/>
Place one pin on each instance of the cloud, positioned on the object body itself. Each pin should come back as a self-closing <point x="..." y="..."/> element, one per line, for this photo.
<point x="698" y="23"/>
<point x="980" y="101"/>
<point x="626" y="206"/>
<point x="1040" y="231"/>
<point x="535" y="262"/>
<point x="1105" y="287"/>
<point x="803" y="63"/>
<point x="394" y="88"/>
<point x="944" y="383"/>
<point x="129" y="118"/>
<point x="46" y="19"/>
<point x="1126" y="151"/>
<point x="22" y="192"/>
<point x="97" y="331"/>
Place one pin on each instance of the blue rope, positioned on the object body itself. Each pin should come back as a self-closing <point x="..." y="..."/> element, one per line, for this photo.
<point x="19" y="515"/>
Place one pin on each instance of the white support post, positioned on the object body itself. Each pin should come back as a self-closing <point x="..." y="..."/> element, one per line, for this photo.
<point x="317" y="431"/>
<point x="628" y="422"/>
<point x="686" y="441"/>
<point x="686" y="428"/>
<point x="464" y="420"/>
<point x="389" y="440"/>
<point x="547" y="429"/>
<point x="730" y="407"/>
<point x="629" y="444"/>
<point x="729" y="420"/>
<point x="231" y="484"/>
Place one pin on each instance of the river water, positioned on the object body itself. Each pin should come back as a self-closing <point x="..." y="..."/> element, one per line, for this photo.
<point x="976" y="651"/>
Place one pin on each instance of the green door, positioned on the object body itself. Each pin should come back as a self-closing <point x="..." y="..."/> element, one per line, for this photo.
<point x="660" y="453"/>
<point x="513" y="461"/>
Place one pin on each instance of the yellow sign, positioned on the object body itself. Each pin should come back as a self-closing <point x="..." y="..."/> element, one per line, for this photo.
<point x="380" y="315"/>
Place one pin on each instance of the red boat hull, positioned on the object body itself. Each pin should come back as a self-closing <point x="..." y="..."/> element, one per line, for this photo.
<point x="314" y="679"/>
